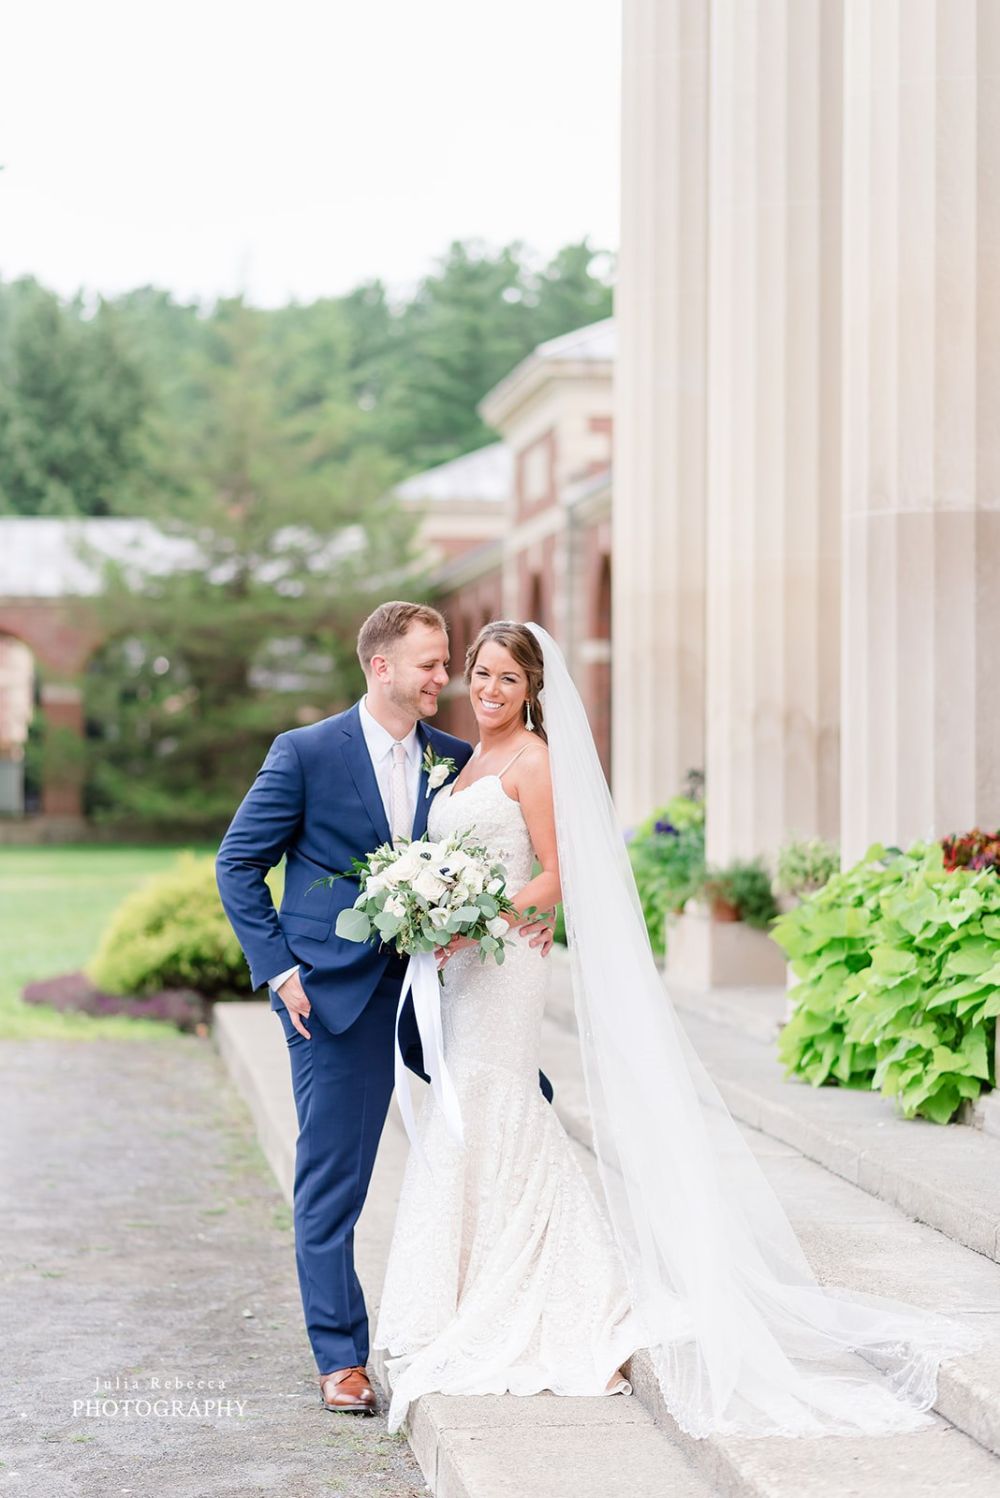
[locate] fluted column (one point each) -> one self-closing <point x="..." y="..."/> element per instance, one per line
<point x="773" y="477"/>
<point x="921" y="639"/>
<point x="659" y="475"/>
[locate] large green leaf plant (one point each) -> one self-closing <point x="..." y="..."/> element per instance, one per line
<point x="899" y="968"/>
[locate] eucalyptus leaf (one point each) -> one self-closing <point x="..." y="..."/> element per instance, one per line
<point x="353" y="925"/>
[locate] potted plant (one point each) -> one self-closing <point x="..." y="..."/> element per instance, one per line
<point x="667" y="853"/>
<point x="804" y="866"/>
<point x="741" y="892"/>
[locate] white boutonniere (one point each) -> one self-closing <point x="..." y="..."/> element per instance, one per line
<point x="437" y="770"/>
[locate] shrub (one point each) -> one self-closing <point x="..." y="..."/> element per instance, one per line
<point x="805" y="865"/>
<point x="668" y="859"/>
<point x="972" y="850"/>
<point x="746" y="886"/>
<point x="900" y="980"/>
<point x="172" y="933"/>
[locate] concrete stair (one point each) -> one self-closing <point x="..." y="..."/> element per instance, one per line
<point x="487" y="1447"/>
<point x="879" y="1205"/>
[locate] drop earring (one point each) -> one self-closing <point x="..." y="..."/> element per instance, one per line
<point x="529" y="725"/>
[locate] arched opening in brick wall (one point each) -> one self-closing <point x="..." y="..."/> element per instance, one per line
<point x="41" y="750"/>
<point x="20" y="723"/>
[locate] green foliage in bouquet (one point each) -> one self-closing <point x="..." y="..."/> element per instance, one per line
<point x="417" y="897"/>
<point x="172" y="933"/>
<point x="667" y="853"/>
<point x="900" y="980"/>
<point x="805" y="865"/>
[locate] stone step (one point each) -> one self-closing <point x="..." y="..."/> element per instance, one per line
<point x="946" y="1176"/>
<point x="854" y="1239"/>
<point x="488" y="1447"/>
<point x="494" y="1447"/>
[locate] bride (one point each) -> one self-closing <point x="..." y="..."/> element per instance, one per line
<point x="506" y="1274"/>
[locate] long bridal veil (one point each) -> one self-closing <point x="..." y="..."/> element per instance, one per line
<point x="743" y="1338"/>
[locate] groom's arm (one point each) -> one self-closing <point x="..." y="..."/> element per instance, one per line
<point x="262" y="830"/>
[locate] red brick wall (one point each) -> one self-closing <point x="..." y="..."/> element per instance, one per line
<point x="528" y="506"/>
<point x="466" y="609"/>
<point x="62" y="634"/>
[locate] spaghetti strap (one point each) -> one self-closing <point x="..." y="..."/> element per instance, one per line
<point x="502" y="773"/>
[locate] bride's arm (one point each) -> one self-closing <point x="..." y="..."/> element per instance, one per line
<point x="533" y="789"/>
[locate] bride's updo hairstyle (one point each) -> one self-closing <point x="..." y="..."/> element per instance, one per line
<point x="526" y="651"/>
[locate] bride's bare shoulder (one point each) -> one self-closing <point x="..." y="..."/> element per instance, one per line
<point x="530" y="771"/>
<point x="534" y="754"/>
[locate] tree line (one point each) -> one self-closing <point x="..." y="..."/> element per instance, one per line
<point x="264" y="444"/>
<point x="95" y="402"/>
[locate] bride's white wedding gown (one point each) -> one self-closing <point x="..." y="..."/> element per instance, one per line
<point x="503" y="1274"/>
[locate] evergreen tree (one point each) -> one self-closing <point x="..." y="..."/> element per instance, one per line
<point x="275" y="545"/>
<point x="73" y="403"/>
<point x="573" y="290"/>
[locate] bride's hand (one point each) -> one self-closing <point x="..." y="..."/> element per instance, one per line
<point x="442" y="954"/>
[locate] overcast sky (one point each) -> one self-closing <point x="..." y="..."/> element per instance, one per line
<point x="292" y="149"/>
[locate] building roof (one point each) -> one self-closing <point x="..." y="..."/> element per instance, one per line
<point x="485" y="475"/>
<point x="50" y="557"/>
<point x="585" y="352"/>
<point x="43" y="557"/>
<point x="596" y="341"/>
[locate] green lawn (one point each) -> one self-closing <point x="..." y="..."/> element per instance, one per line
<point x="54" y="902"/>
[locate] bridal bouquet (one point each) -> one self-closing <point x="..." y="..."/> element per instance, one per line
<point x="420" y="895"/>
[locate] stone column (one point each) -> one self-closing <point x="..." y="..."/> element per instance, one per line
<point x="659" y="473"/>
<point x="773" y="475"/>
<point x="921" y="639"/>
<point x="62" y="787"/>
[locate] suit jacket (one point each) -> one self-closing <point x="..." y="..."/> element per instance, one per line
<point x="316" y="801"/>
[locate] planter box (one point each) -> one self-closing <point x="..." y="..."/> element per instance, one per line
<point x="702" y="953"/>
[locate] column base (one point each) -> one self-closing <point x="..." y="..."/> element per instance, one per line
<point x="703" y="953"/>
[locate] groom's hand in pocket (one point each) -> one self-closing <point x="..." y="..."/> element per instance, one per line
<point x="294" y="997"/>
<point x="541" y="930"/>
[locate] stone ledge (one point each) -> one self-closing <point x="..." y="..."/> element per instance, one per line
<point x="948" y="1177"/>
<point x="494" y="1447"/>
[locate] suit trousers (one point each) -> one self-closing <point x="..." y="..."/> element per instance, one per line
<point x="342" y="1086"/>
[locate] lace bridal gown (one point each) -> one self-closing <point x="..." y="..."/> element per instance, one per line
<point x="503" y="1273"/>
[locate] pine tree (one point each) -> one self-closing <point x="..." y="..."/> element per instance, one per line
<point x="276" y="543"/>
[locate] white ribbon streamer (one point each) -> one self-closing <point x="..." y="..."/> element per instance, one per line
<point x="421" y="977"/>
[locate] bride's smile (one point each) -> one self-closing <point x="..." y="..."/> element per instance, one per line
<point x="499" y="689"/>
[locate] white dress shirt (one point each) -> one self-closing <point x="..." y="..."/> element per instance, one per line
<point x="379" y="742"/>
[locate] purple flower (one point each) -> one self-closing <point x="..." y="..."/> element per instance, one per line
<point x="666" y="827"/>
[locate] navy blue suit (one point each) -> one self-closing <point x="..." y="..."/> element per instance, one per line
<point x="316" y="802"/>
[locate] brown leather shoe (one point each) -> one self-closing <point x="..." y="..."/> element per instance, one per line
<point x="347" y="1391"/>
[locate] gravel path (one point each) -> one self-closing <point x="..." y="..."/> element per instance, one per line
<point x="145" y="1245"/>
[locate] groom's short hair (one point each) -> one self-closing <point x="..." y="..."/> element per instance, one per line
<point x="389" y="623"/>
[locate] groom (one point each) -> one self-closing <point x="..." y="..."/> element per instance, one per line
<point x="325" y="794"/>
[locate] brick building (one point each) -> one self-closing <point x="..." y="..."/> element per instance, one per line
<point x="518" y="529"/>
<point x="550" y="557"/>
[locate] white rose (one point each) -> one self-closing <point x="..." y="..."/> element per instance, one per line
<point x="438" y="776"/>
<point x="439" y="919"/>
<point x="429" y="885"/>
<point x="460" y="895"/>
<point x="474" y="879"/>
<point x="405" y="868"/>
<point x="374" y="883"/>
<point x="395" y="906"/>
<point x="498" y="926"/>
